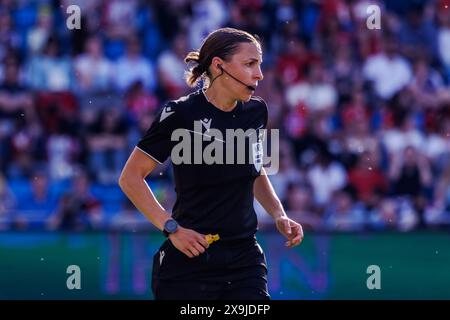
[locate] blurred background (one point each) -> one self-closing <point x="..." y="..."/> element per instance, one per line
<point x="364" y="120"/>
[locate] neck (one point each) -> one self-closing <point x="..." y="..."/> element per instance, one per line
<point x="219" y="100"/>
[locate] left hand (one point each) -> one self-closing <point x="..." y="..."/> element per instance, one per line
<point x="291" y="230"/>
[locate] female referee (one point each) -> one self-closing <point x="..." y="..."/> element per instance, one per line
<point x="212" y="198"/>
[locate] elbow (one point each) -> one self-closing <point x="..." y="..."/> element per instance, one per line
<point x="123" y="180"/>
<point x="127" y="179"/>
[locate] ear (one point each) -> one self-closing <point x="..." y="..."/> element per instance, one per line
<point x="217" y="63"/>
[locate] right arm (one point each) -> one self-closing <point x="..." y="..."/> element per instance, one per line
<point x="133" y="184"/>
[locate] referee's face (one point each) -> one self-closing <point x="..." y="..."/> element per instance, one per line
<point x="245" y="65"/>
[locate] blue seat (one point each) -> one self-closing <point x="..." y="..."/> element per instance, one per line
<point x="107" y="193"/>
<point x="19" y="187"/>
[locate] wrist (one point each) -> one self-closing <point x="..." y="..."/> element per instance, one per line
<point x="162" y="217"/>
<point x="172" y="235"/>
<point x="170" y="227"/>
<point x="277" y="210"/>
<point x="279" y="214"/>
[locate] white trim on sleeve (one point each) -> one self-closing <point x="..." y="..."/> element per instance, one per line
<point x="149" y="155"/>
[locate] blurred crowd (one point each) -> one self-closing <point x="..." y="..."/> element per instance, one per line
<point x="364" y="114"/>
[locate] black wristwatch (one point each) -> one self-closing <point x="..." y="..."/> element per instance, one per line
<point x="171" y="226"/>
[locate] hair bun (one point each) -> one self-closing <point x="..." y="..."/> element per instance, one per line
<point x="198" y="70"/>
<point x="193" y="56"/>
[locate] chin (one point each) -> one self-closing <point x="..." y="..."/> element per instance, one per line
<point x="247" y="97"/>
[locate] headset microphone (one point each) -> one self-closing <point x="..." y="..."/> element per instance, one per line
<point x="248" y="86"/>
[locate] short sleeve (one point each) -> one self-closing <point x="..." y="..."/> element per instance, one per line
<point x="156" y="142"/>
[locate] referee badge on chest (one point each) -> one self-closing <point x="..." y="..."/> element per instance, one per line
<point x="257" y="155"/>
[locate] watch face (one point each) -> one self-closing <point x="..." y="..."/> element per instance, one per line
<point x="171" y="226"/>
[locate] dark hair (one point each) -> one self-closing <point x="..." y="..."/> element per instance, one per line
<point x="222" y="43"/>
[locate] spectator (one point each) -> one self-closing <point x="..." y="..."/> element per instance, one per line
<point x="343" y="213"/>
<point x="119" y="18"/>
<point x="357" y="136"/>
<point x="410" y="173"/>
<point x="326" y="176"/>
<point x="207" y="15"/>
<point x="394" y="214"/>
<point x="299" y="203"/>
<point x="171" y="68"/>
<point x="20" y="127"/>
<point x="384" y="216"/>
<point x="438" y="144"/>
<point x="9" y="37"/>
<point x="62" y="150"/>
<point x="404" y="134"/>
<point x="287" y="171"/>
<point x="317" y="93"/>
<point x="39" y="35"/>
<point x="107" y="146"/>
<point x="93" y="70"/>
<point x="443" y="36"/>
<point x="7" y="205"/>
<point x="77" y="209"/>
<point x="139" y="102"/>
<point x="39" y="202"/>
<point x="271" y="91"/>
<point x="128" y="219"/>
<point x="439" y="210"/>
<point x="410" y="176"/>
<point x="388" y="70"/>
<point x="50" y="71"/>
<point x="134" y="67"/>
<point x="417" y="33"/>
<point x="427" y="85"/>
<point x="292" y="62"/>
<point x="368" y="181"/>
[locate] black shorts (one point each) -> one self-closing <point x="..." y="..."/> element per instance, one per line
<point x="229" y="271"/>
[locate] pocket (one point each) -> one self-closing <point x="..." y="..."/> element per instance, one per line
<point x="259" y="248"/>
<point x="163" y="252"/>
<point x="155" y="272"/>
<point x="262" y="257"/>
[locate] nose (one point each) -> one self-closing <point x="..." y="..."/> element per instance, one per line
<point x="259" y="75"/>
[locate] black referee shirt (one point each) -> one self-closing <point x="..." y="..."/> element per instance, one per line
<point x="211" y="198"/>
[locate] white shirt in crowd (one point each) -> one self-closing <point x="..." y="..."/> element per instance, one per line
<point x="316" y="97"/>
<point x="172" y="67"/>
<point x="389" y="75"/>
<point x="444" y="45"/>
<point x="396" y="140"/>
<point x="98" y="71"/>
<point x="326" y="180"/>
<point x="129" y="71"/>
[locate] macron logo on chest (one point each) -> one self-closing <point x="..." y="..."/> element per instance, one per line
<point x="206" y="123"/>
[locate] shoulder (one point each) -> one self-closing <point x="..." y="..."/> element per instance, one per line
<point x="179" y="108"/>
<point x="188" y="99"/>
<point x="185" y="103"/>
<point x="258" y="107"/>
<point x="257" y="103"/>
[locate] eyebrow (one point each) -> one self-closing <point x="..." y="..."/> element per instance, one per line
<point x="253" y="59"/>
